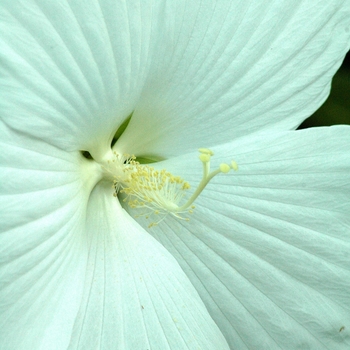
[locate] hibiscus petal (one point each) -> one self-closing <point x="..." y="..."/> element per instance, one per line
<point x="268" y="246"/>
<point x="205" y="71"/>
<point x="229" y="68"/>
<point x="43" y="203"/>
<point x="74" y="69"/>
<point x="136" y="296"/>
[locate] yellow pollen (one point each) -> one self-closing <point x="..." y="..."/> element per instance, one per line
<point x="158" y="192"/>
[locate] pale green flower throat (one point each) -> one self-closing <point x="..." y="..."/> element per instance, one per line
<point x="158" y="192"/>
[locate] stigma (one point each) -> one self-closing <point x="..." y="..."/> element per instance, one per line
<point x="158" y="193"/>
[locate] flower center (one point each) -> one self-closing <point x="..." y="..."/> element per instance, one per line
<point x="158" y="192"/>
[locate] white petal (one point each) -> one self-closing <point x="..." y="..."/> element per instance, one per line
<point x="43" y="201"/>
<point x="268" y="246"/>
<point x="135" y="295"/>
<point x="205" y="71"/>
<point x="74" y="69"/>
<point x="230" y="68"/>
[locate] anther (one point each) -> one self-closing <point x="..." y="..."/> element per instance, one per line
<point x="234" y="165"/>
<point x="224" y="168"/>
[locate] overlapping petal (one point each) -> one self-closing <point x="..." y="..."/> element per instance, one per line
<point x="230" y="68"/>
<point x="43" y="207"/>
<point x="268" y="246"/>
<point x="205" y="70"/>
<point x="75" y="69"/>
<point x="136" y="295"/>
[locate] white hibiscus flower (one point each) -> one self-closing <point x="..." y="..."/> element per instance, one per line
<point x="263" y="262"/>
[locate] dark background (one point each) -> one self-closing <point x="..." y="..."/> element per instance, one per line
<point x="336" y="110"/>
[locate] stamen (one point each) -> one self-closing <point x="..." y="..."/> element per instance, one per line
<point x="158" y="191"/>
